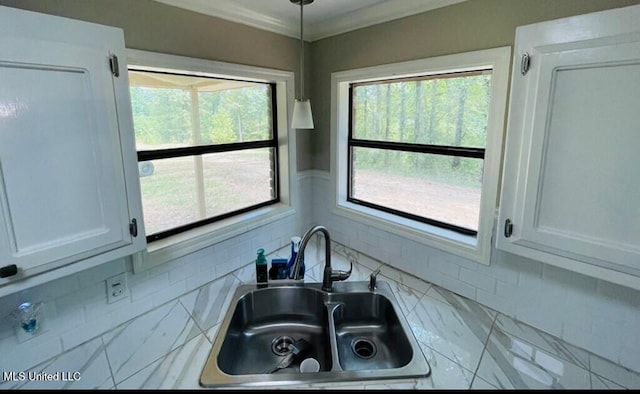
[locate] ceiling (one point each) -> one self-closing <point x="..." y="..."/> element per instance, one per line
<point x="322" y="18"/>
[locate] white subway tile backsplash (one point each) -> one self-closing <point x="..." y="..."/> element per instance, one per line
<point x="356" y="244"/>
<point x="506" y="290"/>
<point x="533" y="288"/>
<point x="208" y="266"/>
<point x="562" y="277"/>
<point x="459" y="287"/>
<point x="392" y="245"/>
<point x="500" y="268"/>
<point x="196" y="281"/>
<point x="480" y="281"/>
<point x="50" y="290"/>
<point x="261" y="239"/>
<point x="152" y="285"/>
<point x="67" y="315"/>
<point x="183" y="271"/>
<point x="505" y="305"/>
<point x="540" y="314"/>
<point x="620" y="294"/>
<point x="442" y="264"/>
<point x="95" y="275"/>
<point x="380" y="234"/>
<point x="171" y="292"/>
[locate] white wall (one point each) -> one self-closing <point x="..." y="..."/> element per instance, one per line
<point x="598" y="316"/>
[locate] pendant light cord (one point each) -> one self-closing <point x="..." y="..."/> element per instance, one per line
<point x="301" y="54"/>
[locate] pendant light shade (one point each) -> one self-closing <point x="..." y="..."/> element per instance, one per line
<point x="302" y="117"/>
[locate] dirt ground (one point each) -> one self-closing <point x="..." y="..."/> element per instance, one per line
<point x="231" y="181"/>
<point x="454" y="204"/>
<point x="238" y="179"/>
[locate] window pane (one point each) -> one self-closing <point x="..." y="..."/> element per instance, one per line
<point x="438" y="187"/>
<point x="182" y="190"/>
<point x="166" y="107"/>
<point x="447" y="109"/>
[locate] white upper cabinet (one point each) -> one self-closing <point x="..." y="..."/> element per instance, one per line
<point x="69" y="190"/>
<point x="571" y="188"/>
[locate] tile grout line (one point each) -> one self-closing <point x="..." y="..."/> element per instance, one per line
<point x="484" y="349"/>
<point x="104" y="349"/>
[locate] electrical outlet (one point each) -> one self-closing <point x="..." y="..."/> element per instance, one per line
<point x="117" y="288"/>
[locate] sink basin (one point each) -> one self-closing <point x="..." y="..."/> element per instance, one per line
<point x="354" y="334"/>
<point x="266" y="321"/>
<point x="369" y="333"/>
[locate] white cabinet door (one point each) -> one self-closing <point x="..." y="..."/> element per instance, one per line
<point x="571" y="187"/>
<point x="64" y="194"/>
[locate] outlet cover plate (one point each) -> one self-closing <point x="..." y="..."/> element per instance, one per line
<point x="117" y="288"/>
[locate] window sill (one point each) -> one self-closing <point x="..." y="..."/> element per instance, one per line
<point x="465" y="246"/>
<point x="179" y="245"/>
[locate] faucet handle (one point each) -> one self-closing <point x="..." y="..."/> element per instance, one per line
<point x="372" y="279"/>
<point x="341" y="275"/>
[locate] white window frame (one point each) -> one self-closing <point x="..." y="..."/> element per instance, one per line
<point x="170" y="248"/>
<point x="476" y="248"/>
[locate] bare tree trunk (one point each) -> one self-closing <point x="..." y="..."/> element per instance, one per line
<point x="378" y="112"/>
<point x="419" y="119"/>
<point x="431" y="133"/>
<point x="366" y="119"/>
<point x="386" y="127"/>
<point x="403" y="109"/>
<point x="240" y="136"/>
<point x="462" y="99"/>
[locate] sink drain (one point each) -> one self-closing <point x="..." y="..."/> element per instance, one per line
<point x="363" y="348"/>
<point x="280" y="345"/>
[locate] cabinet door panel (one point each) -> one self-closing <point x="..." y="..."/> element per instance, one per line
<point x="571" y="190"/>
<point x="62" y="189"/>
<point x="582" y="193"/>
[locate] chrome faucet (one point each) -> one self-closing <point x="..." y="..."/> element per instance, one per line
<point x="329" y="276"/>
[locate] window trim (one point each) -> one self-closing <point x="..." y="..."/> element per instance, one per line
<point x="181" y="244"/>
<point x="477" y="248"/>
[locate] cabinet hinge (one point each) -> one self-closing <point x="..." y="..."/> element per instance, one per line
<point x="133" y="227"/>
<point x="113" y="63"/>
<point x="525" y="63"/>
<point x="508" y="228"/>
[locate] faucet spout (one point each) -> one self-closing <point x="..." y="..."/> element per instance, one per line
<point x="329" y="275"/>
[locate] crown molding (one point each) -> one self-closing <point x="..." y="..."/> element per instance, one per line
<point x="368" y="16"/>
<point x="228" y="10"/>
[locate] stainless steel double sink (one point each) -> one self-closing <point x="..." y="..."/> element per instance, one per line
<point x="354" y="333"/>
